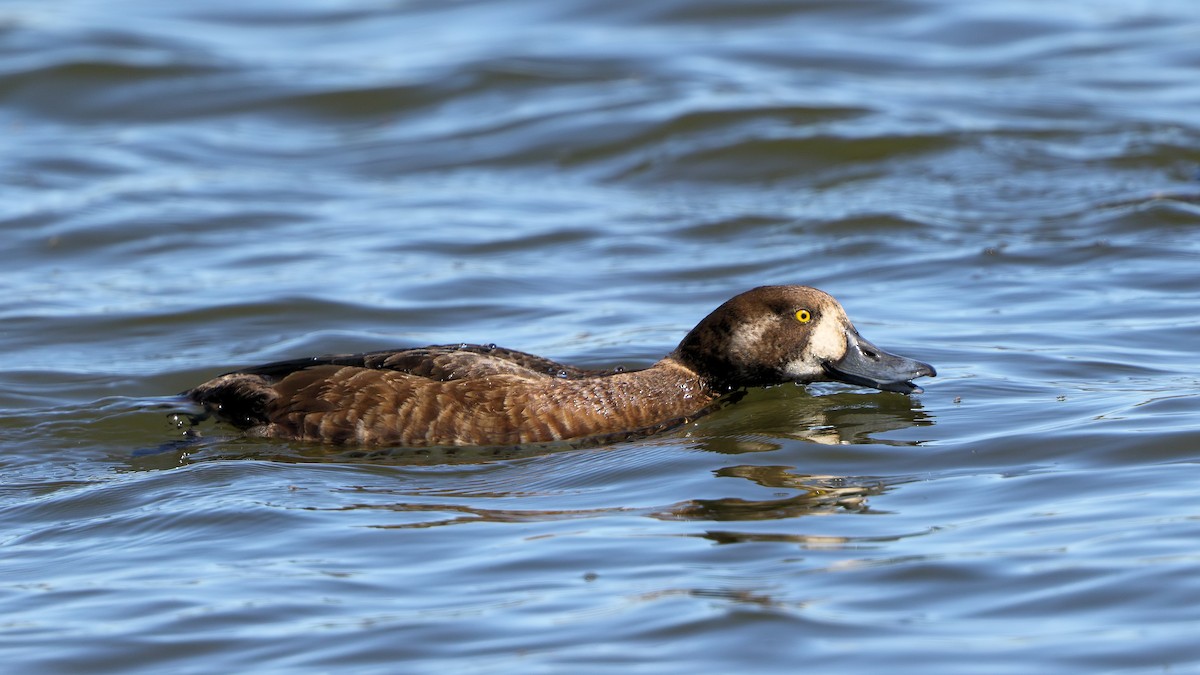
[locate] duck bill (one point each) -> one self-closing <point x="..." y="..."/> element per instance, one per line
<point x="869" y="366"/>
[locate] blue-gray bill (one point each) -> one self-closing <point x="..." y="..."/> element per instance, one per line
<point x="869" y="366"/>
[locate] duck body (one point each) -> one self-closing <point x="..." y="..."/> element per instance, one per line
<point x="451" y="395"/>
<point x="483" y="395"/>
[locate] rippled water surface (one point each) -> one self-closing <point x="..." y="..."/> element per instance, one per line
<point x="1009" y="190"/>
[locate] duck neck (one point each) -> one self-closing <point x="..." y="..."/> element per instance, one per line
<point x="714" y="375"/>
<point x="672" y="373"/>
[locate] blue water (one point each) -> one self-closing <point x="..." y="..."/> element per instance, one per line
<point x="1007" y="190"/>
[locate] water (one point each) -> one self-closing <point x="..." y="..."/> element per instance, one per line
<point x="1007" y="190"/>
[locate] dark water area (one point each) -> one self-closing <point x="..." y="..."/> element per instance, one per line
<point x="1008" y="190"/>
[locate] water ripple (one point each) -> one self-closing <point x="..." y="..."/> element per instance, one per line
<point x="1007" y="190"/>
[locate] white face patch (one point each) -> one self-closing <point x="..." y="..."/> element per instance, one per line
<point x="826" y="342"/>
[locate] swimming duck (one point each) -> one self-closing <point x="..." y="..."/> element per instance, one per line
<point x="484" y="395"/>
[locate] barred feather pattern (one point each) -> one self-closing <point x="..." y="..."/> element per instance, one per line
<point x="465" y="395"/>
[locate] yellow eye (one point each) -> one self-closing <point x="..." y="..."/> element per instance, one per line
<point x="804" y="316"/>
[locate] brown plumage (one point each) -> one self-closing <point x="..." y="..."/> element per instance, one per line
<point x="487" y="395"/>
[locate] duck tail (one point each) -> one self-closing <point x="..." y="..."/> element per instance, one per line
<point x="241" y="399"/>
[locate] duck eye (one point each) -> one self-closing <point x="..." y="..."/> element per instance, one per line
<point x="804" y="316"/>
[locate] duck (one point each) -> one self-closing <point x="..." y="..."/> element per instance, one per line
<point x="485" y="395"/>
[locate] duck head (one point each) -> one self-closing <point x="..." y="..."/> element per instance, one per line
<point x="778" y="334"/>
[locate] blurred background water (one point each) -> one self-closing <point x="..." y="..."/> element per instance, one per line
<point x="1009" y="190"/>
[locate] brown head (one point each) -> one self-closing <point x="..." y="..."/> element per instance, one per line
<point x="777" y="334"/>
